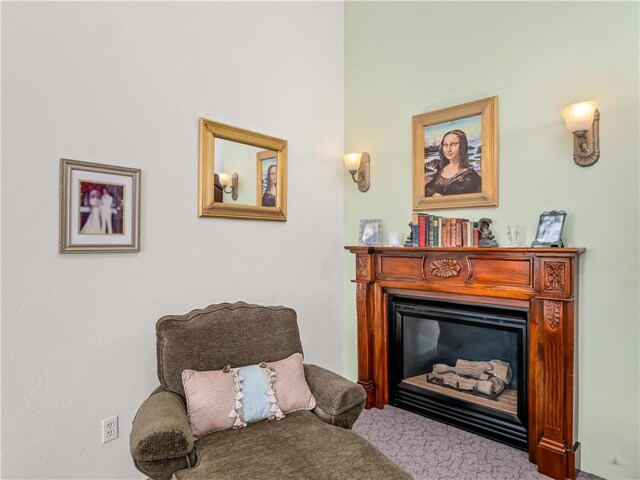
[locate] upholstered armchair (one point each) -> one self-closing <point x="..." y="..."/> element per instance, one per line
<point x="315" y="444"/>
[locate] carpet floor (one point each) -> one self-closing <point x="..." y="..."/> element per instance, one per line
<point x="430" y="450"/>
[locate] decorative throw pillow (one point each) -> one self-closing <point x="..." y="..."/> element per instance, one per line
<point x="231" y="398"/>
<point x="291" y="388"/>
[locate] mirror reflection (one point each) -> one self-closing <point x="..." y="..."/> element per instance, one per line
<point x="233" y="157"/>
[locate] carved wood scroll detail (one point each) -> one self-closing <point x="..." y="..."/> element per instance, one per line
<point x="554" y="276"/>
<point x="552" y="313"/>
<point x="362" y="267"/>
<point x="445" y="268"/>
<point x="361" y="293"/>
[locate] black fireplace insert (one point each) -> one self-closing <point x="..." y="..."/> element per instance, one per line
<point x="464" y="364"/>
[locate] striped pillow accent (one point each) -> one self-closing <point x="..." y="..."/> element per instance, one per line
<point x="233" y="397"/>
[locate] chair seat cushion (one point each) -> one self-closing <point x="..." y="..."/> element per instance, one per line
<point x="299" y="447"/>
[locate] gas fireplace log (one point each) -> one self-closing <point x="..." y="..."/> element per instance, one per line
<point x="491" y="387"/>
<point x="489" y="378"/>
<point x="462" y="383"/>
<point x="497" y="385"/>
<point x="484" y="370"/>
<point x="473" y="369"/>
<point x="502" y="370"/>
<point x="442" y="368"/>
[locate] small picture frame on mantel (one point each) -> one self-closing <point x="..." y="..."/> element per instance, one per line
<point x="550" y="226"/>
<point x="370" y="232"/>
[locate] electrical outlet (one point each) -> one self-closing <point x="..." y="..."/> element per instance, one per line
<point x="109" y="429"/>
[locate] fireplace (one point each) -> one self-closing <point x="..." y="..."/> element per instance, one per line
<point x="526" y="295"/>
<point x="462" y="364"/>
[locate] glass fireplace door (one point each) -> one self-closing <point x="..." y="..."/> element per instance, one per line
<point x="464" y="364"/>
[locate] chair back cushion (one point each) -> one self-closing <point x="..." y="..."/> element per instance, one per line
<point x="236" y="334"/>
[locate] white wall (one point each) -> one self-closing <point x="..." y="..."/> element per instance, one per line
<point x="406" y="58"/>
<point x="124" y="84"/>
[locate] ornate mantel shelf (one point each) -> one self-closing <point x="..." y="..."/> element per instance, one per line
<point x="543" y="280"/>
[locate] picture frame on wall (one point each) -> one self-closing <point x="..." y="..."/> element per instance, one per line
<point x="455" y="156"/>
<point x="267" y="175"/>
<point x="370" y="232"/>
<point x="550" y="227"/>
<point x="99" y="208"/>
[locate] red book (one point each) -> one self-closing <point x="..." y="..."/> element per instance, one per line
<point x="422" y="230"/>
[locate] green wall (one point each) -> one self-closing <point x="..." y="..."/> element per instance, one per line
<point x="406" y="58"/>
<point x="240" y="158"/>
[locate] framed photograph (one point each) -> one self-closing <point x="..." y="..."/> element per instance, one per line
<point x="370" y="232"/>
<point x="99" y="208"/>
<point x="455" y="156"/>
<point x="550" y="226"/>
<point x="267" y="178"/>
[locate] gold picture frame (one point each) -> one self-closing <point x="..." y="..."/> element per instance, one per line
<point x="471" y="176"/>
<point x="208" y="206"/>
<point x="99" y="208"/>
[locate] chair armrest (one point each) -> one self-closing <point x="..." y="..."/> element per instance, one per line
<point x="161" y="429"/>
<point x="338" y="400"/>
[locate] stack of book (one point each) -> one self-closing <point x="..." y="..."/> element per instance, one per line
<point x="434" y="231"/>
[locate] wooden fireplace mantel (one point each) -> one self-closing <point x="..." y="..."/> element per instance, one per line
<point x="544" y="280"/>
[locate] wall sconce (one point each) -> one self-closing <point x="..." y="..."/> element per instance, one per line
<point x="358" y="163"/>
<point x="583" y="120"/>
<point x="230" y="181"/>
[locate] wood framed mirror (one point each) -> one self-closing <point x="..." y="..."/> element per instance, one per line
<point x="228" y="179"/>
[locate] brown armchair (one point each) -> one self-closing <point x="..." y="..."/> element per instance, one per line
<point x="304" y="445"/>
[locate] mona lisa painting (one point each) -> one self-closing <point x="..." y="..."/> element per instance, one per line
<point x="267" y="175"/>
<point x="455" y="157"/>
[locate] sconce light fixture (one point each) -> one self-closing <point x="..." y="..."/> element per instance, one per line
<point x="358" y="163"/>
<point x="229" y="181"/>
<point x="583" y="120"/>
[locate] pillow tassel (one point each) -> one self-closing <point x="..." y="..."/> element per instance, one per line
<point x="274" y="410"/>
<point x="238" y="407"/>
<point x="239" y="423"/>
<point x="279" y="414"/>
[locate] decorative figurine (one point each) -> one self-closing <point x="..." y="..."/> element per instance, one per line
<point x="409" y="241"/>
<point x="487" y="239"/>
